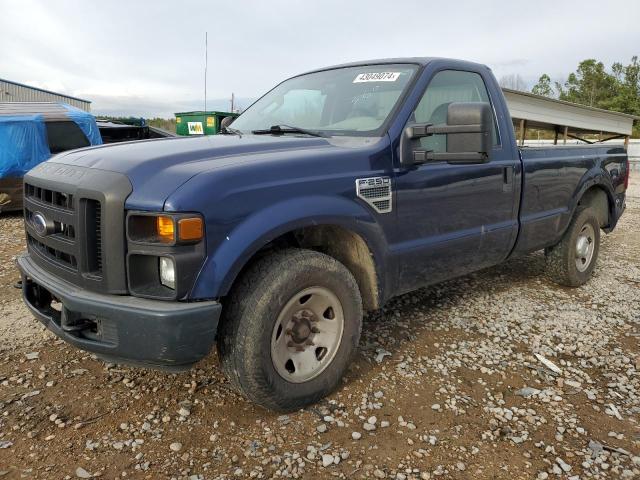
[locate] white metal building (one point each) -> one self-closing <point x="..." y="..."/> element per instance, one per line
<point x="18" y="92"/>
<point x="568" y="120"/>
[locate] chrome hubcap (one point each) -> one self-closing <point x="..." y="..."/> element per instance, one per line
<point x="307" y="334"/>
<point x="585" y="247"/>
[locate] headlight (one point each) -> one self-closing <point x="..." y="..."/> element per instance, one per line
<point x="165" y="252"/>
<point x="165" y="229"/>
<point x="167" y="272"/>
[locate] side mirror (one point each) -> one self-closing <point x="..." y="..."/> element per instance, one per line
<point x="468" y="131"/>
<point x="478" y="117"/>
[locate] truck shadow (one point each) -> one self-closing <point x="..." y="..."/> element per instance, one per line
<point x="403" y="316"/>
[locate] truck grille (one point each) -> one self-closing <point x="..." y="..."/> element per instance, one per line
<point x="93" y="218"/>
<point x="75" y="224"/>
<point x="62" y="230"/>
<point x="58" y="256"/>
<point x="66" y="215"/>
<point x="50" y="197"/>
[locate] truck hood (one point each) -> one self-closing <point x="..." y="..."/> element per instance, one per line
<point x="156" y="168"/>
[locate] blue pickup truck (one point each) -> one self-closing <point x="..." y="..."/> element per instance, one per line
<point x="335" y="191"/>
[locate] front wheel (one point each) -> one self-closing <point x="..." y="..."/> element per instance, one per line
<point x="571" y="262"/>
<point x="290" y="328"/>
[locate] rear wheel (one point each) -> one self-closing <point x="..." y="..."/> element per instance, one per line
<point x="290" y="328"/>
<point x="571" y="262"/>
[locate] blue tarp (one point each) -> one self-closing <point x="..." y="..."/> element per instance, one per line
<point x="24" y="144"/>
<point x="86" y="122"/>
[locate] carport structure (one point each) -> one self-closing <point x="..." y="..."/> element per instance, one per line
<point x="567" y="120"/>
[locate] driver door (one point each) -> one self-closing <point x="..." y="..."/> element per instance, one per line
<point x="453" y="218"/>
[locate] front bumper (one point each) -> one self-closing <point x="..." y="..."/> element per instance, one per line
<point x="121" y="328"/>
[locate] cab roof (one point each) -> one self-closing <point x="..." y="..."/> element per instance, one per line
<point x="421" y="61"/>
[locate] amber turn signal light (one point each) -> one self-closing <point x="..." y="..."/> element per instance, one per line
<point x="190" y="229"/>
<point x="166" y="229"/>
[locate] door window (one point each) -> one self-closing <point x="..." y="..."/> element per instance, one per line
<point x="446" y="87"/>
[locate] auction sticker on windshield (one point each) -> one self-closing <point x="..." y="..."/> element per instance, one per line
<point x="377" y="77"/>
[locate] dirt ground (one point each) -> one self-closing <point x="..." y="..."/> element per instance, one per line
<point x="446" y="385"/>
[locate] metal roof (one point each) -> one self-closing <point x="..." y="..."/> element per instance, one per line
<point x="549" y="113"/>
<point x="43" y="90"/>
<point x="50" y="111"/>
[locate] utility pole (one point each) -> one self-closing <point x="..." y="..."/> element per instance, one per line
<point x="232" y="99"/>
<point x="206" y="61"/>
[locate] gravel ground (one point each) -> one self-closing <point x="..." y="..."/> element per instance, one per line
<point x="499" y="375"/>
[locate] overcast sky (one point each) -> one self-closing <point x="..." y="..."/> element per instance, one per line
<point x="147" y="57"/>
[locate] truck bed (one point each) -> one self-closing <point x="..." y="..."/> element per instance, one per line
<point x="552" y="180"/>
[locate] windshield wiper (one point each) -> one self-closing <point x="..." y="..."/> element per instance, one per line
<point x="282" y="129"/>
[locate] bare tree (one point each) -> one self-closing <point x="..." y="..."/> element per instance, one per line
<point x="513" y="82"/>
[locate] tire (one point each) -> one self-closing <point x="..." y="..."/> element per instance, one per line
<point x="251" y="346"/>
<point x="566" y="264"/>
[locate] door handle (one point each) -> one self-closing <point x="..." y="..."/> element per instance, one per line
<point x="507" y="178"/>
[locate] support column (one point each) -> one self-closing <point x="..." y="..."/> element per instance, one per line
<point x="523" y="131"/>
<point x="626" y="142"/>
<point x="555" y="138"/>
<point x="566" y="134"/>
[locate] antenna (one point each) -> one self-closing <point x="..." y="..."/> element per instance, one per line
<point x="206" y="61"/>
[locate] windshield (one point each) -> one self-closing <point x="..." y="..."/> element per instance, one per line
<point x="342" y="101"/>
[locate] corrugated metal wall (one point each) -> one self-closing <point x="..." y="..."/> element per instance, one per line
<point x="14" y="92"/>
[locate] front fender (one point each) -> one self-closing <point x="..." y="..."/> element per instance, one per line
<point x="228" y="257"/>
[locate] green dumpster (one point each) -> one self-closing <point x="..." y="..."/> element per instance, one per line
<point x="200" y="123"/>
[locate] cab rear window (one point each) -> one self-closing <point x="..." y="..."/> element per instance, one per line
<point x="63" y="136"/>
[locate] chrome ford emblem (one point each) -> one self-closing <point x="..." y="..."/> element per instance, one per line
<point x="39" y="223"/>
